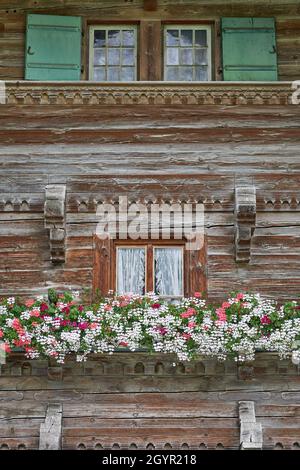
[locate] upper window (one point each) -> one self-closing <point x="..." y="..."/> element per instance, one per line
<point x="187" y="53"/>
<point x="113" y="53"/>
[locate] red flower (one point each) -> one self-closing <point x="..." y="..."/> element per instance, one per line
<point x="66" y="310"/>
<point x="123" y="343"/>
<point x="44" y="307"/>
<point x="80" y="308"/>
<point x="198" y="295"/>
<point x="265" y="320"/>
<point x="155" y="305"/>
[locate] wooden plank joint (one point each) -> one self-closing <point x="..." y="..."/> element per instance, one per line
<point x="245" y="212"/>
<point x="51" y="429"/>
<point x="250" y="430"/>
<point x="55" y="215"/>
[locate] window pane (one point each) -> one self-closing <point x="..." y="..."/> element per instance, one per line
<point x="168" y="266"/>
<point x="127" y="74"/>
<point x="128" y="38"/>
<point x="186" y="56"/>
<point x="99" y="74"/>
<point x="99" y="38"/>
<point x="131" y="270"/>
<point x="128" y="57"/>
<point x="113" y="74"/>
<point x="173" y="73"/>
<point x="186" y="37"/>
<point x="186" y="73"/>
<point x="201" y="56"/>
<point x="114" y="38"/>
<point x="99" y="57"/>
<point x="201" y="38"/>
<point x="172" y="56"/>
<point x="201" y="74"/>
<point x="113" y="57"/>
<point x="172" y="38"/>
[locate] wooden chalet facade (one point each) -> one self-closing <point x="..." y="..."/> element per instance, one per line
<point x="187" y="101"/>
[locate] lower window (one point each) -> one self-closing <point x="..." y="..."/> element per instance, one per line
<point x="145" y="268"/>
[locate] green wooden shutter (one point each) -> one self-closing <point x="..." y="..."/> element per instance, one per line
<point x="53" y="47"/>
<point x="249" y="49"/>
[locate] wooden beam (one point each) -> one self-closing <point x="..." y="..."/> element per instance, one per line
<point x="250" y="430"/>
<point x="150" y="44"/>
<point x="51" y="429"/>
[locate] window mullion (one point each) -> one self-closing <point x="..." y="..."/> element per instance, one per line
<point x="150" y="269"/>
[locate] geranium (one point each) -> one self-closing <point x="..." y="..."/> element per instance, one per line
<point x="235" y="328"/>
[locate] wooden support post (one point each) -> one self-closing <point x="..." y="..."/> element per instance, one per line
<point x="55" y="215"/>
<point x="51" y="429"/>
<point x="250" y="430"/>
<point x="245" y="212"/>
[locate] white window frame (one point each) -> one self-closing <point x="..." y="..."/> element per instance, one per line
<point x="116" y="27"/>
<point x="193" y="27"/>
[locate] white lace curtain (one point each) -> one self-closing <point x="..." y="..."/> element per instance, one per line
<point x="168" y="271"/>
<point x="131" y="271"/>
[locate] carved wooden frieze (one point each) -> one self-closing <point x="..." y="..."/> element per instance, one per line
<point x="54" y="213"/>
<point x="245" y="212"/>
<point x="148" y="93"/>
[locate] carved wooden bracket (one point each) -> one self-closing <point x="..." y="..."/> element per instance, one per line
<point x="250" y="430"/>
<point x="55" y="214"/>
<point x="245" y="212"/>
<point x="51" y="429"/>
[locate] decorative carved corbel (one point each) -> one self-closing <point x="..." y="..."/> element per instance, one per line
<point x="245" y="213"/>
<point x="250" y="431"/>
<point x="55" y="214"/>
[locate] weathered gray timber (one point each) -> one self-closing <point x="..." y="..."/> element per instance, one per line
<point x="157" y="401"/>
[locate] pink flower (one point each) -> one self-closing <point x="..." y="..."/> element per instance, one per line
<point x="192" y="324"/>
<point x="29" y="302"/>
<point x="123" y="343"/>
<point x="240" y="296"/>
<point x="107" y="308"/>
<point x="83" y="325"/>
<point x="16" y="324"/>
<point x="198" y="295"/>
<point x="93" y="326"/>
<point x="5" y="347"/>
<point x="186" y="336"/>
<point x="265" y="320"/>
<point x="123" y="303"/>
<point x="221" y="314"/>
<point x="1" y="334"/>
<point x="190" y="312"/>
<point x="157" y="305"/>
<point x="226" y="305"/>
<point x="34" y="313"/>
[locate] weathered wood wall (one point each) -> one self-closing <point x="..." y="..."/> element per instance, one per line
<point x="149" y="151"/>
<point x="12" y="23"/>
<point x="159" y="404"/>
<point x="150" y="146"/>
